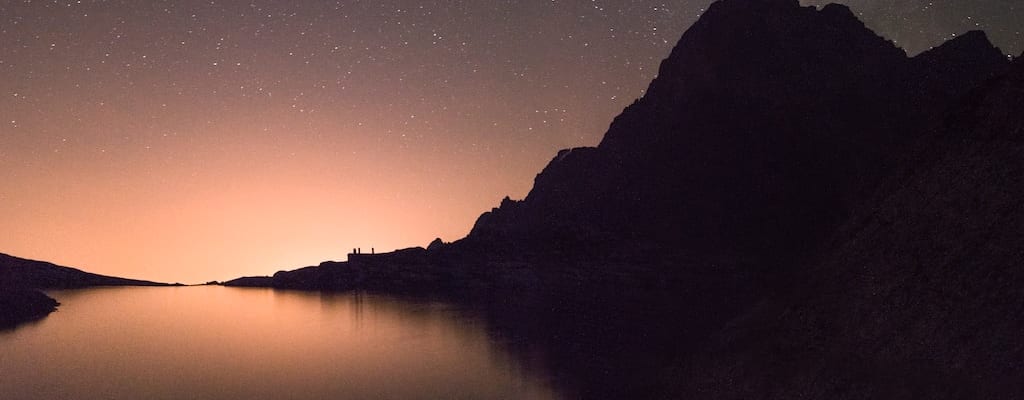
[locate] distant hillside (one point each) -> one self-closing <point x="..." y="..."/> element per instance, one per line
<point x="19" y="272"/>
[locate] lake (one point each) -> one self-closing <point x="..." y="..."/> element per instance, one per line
<point x="214" y="342"/>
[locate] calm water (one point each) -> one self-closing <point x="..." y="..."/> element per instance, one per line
<point x="226" y="343"/>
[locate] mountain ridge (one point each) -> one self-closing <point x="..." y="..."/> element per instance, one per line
<point x="689" y="87"/>
<point x="766" y="221"/>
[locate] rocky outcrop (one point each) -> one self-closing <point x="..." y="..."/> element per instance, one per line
<point x="435" y="245"/>
<point x="249" y="281"/>
<point x="18" y="305"/>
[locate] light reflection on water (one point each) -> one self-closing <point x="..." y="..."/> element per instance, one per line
<point x="228" y="343"/>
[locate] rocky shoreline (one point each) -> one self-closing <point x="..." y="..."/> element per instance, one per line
<point x="18" y="306"/>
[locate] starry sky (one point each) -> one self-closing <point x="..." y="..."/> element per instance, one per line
<point x="187" y="141"/>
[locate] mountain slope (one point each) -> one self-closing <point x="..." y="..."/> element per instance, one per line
<point x="766" y="117"/>
<point x="919" y="295"/>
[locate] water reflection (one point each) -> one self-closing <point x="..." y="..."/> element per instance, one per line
<point x="224" y="343"/>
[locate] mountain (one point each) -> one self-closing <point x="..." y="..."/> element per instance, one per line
<point x="767" y="117"/>
<point x="795" y="209"/>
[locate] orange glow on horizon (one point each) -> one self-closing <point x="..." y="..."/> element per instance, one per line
<point x="245" y="206"/>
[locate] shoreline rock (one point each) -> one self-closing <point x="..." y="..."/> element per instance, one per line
<point x="19" y="305"/>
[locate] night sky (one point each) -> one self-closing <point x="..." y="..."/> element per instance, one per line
<point x="199" y="140"/>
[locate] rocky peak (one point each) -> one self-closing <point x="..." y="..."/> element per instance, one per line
<point x="768" y="52"/>
<point x="435" y="245"/>
<point x="766" y="116"/>
<point x="968" y="55"/>
<point x="972" y="43"/>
